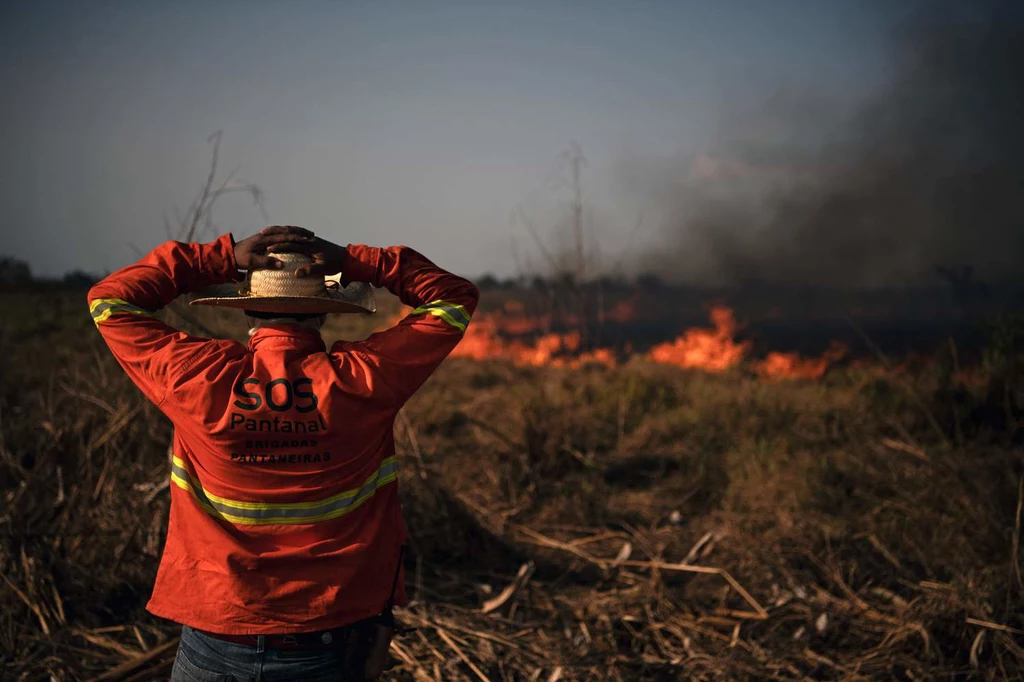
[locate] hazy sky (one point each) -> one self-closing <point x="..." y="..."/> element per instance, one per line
<point x="421" y="123"/>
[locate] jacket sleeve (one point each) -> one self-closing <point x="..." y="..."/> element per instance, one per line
<point x="400" y="359"/>
<point x="155" y="355"/>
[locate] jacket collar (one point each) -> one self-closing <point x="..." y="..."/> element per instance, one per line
<point x="287" y="337"/>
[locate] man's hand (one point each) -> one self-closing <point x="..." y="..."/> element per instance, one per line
<point x="251" y="253"/>
<point x="327" y="258"/>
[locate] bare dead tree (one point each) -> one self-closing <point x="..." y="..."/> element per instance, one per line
<point x="577" y="296"/>
<point x="197" y="220"/>
<point x="199" y="217"/>
<point x="575" y="161"/>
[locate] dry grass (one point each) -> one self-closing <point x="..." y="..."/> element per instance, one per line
<point x="625" y="524"/>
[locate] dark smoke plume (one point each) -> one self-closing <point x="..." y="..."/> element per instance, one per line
<point x="930" y="173"/>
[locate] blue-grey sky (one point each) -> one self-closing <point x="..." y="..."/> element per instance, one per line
<point x="421" y="123"/>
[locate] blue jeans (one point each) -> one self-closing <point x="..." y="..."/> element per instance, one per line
<point x="205" y="659"/>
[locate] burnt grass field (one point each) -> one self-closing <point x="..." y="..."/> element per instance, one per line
<point x="633" y="523"/>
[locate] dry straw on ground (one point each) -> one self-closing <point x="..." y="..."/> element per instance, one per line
<point x="598" y="524"/>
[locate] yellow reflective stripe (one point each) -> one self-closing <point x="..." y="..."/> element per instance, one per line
<point x="184" y="484"/>
<point x="452" y="313"/>
<point x="101" y="301"/>
<point x="102" y="308"/>
<point x="387" y="466"/>
<point x="258" y="513"/>
<point x="263" y="518"/>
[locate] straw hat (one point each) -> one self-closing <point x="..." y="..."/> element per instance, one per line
<point x="280" y="291"/>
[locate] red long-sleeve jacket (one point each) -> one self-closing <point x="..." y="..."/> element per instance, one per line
<point x="284" y="507"/>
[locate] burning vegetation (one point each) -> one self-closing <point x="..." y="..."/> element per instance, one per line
<point x="712" y="350"/>
<point x="512" y="336"/>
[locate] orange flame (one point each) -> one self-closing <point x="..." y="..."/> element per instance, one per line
<point x="486" y="338"/>
<point x="712" y="350"/>
<point x="791" y="366"/>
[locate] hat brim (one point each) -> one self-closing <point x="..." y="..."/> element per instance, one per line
<point x="355" y="298"/>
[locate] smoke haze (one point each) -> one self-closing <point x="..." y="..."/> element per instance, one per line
<point x="929" y="173"/>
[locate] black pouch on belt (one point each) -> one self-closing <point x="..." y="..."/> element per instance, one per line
<point x="379" y="632"/>
<point x="366" y="651"/>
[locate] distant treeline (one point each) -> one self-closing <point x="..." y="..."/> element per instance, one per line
<point x="489" y="282"/>
<point x="16" y="274"/>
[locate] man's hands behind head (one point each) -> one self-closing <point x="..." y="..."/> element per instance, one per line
<point x="327" y="259"/>
<point x="257" y="251"/>
<point x="252" y="253"/>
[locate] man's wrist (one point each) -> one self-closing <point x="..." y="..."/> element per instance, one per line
<point x="359" y="264"/>
<point x="220" y="259"/>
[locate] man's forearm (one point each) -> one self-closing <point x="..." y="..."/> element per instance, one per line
<point x="168" y="271"/>
<point x="407" y="274"/>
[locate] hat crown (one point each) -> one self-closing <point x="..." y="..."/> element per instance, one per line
<point x="283" y="282"/>
<point x="276" y="290"/>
